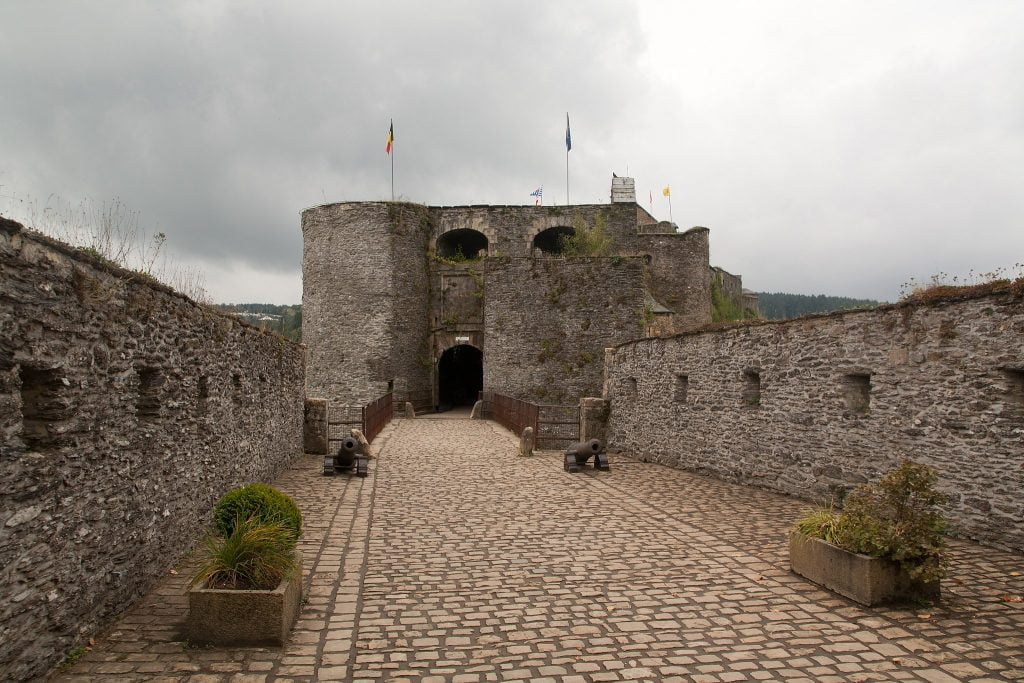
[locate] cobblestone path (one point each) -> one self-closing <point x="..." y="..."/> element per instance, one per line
<point x="457" y="560"/>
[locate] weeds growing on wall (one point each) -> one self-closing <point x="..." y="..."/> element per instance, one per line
<point x="942" y="285"/>
<point x="723" y="309"/>
<point x="110" y="232"/>
<point x="587" y="240"/>
<point x="456" y="259"/>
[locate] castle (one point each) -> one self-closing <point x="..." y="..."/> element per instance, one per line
<point x="438" y="303"/>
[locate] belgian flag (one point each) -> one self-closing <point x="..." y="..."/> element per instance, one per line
<point x="391" y="137"/>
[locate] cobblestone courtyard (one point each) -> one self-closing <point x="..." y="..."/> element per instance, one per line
<point x="457" y="560"/>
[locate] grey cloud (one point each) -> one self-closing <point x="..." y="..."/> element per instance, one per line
<point x="838" y="148"/>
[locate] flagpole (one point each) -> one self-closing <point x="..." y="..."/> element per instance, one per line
<point x="568" y="146"/>
<point x="391" y="153"/>
<point x="670" y="219"/>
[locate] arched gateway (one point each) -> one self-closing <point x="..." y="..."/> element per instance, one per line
<point x="460" y="375"/>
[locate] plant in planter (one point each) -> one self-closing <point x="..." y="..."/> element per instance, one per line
<point x="248" y="589"/>
<point x="886" y="544"/>
<point x="264" y="502"/>
<point x="253" y="556"/>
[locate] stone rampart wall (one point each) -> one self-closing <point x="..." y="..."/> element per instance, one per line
<point x="548" y="320"/>
<point x="816" y="405"/>
<point x="678" y="275"/>
<point x="126" y="410"/>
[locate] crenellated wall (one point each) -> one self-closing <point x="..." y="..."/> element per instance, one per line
<point x="126" y="410"/>
<point x="388" y="288"/>
<point x="816" y="405"/>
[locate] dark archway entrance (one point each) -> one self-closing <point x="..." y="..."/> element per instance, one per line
<point x="460" y="376"/>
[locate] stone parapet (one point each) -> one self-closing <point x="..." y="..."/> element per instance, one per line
<point x="816" y="405"/>
<point x="126" y="411"/>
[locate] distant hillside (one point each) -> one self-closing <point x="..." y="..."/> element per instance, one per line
<point x="780" y="306"/>
<point x="285" y="320"/>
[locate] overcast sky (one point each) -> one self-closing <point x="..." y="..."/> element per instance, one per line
<point x="831" y="147"/>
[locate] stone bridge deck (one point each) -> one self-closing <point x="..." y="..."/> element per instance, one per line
<point x="456" y="560"/>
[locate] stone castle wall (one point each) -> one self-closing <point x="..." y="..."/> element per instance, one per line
<point x="816" y="405"/>
<point x="365" y="300"/>
<point x="380" y="307"/>
<point x="548" y="321"/>
<point x="126" y="410"/>
<point x="510" y="229"/>
<point x="678" y="276"/>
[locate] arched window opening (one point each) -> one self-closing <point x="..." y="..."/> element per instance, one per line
<point x="552" y="240"/>
<point x="462" y="245"/>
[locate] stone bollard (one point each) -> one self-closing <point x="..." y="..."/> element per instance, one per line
<point x="526" y="443"/>
<point x="364" y="445"/>
<point x="410" y="412"/>
<point x="478" y="408"/>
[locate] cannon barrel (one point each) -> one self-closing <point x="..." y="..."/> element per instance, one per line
<point x="577" y="455"/>
<point x="347" y="452"/>
<point x="585" y="449"/>
<point x="349" y="456"/>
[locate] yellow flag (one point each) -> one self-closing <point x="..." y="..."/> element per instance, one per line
<point x="666" y="192"/>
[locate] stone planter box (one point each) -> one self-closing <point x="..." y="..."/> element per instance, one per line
<point x="864" y="579"/>
<point x="237" y="617"/>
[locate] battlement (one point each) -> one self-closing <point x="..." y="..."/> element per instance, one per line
<point x="391" y="289"/>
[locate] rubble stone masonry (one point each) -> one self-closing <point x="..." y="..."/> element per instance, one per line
<point x="814" y="406"/>
<point x="548" y="321"/>
<point x="126" y="410"/>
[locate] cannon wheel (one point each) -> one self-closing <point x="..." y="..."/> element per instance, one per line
<point x="571" y="464"/>
<point x="601" y="462"/>
<point x="328" y="466"/>
<point x="362" y="467"/>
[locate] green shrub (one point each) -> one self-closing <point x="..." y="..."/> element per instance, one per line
<point x="265" y="503"/>
<point x="896" y="518"/>
<point x="255" y="555"/>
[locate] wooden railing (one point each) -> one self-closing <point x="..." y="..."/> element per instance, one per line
<point x="370" y="419"/>
<point x="420" y="400"/>
<point x="554" y="426"/>
<point x="513" y="414"/>
<point x="376" y="415"/>
<point x="557" y="426"/>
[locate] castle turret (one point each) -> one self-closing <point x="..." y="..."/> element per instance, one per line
<point x="623" y="190"/>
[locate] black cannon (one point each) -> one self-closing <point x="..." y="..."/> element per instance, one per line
<point x="348" y="459"/>
<point x="577" y="455"/>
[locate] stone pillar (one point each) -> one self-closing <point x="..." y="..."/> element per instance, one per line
<point x="527" y="442"/>
<point x="609" y="356"/>
<point x="594" y="419"/>
<point x="314" y="428"/>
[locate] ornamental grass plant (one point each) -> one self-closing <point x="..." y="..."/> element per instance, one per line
<point x="255" y="555"/>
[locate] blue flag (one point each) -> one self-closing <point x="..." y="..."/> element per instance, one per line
<point x="568" y="138"/>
